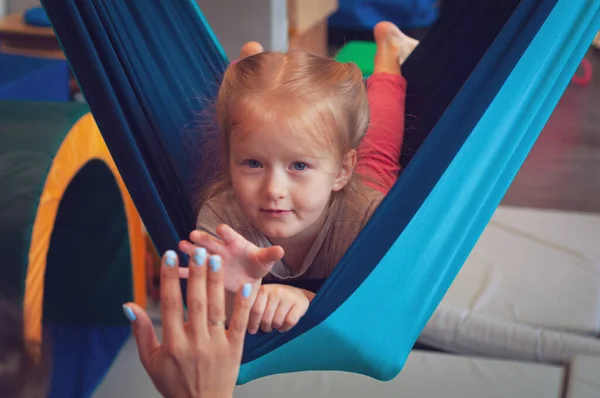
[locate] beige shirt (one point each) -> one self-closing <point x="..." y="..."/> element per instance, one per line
<point x="342" y="225"/>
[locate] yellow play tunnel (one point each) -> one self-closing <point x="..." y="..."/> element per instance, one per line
<point x="73" y="241"/>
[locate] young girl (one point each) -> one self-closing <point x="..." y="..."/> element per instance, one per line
<point x="294" y="139"/>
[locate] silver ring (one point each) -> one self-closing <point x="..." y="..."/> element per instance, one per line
<point x="217" y="323"/>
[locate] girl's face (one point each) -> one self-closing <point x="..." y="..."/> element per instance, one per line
<point x="282" y="184"/>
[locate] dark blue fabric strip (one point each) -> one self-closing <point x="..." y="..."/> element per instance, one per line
<point x="81" y="356"/>
<point x="442" y="63"/>
<point x="147" y="70"/>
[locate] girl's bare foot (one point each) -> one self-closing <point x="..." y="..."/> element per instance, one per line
<point x="393" y="47"/>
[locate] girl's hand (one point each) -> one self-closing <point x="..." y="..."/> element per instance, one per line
<point x="278" y="307"/>
<point x="245" y="262"/>
<point x="200" y="358"/>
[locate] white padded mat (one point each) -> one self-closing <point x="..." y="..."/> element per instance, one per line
<point x="426" y="375"/>
<point x="531" y="285"/>
<point x="584" y="378"/>
<point x="538" y="268"/>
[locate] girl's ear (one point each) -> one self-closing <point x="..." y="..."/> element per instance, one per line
<point x="346" y="170"/>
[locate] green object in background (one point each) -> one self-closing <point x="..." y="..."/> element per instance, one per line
<point x="30" y="135"/>
<point x="361" y="53"/>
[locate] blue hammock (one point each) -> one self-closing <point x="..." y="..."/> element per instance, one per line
<point x="481" y="87"/>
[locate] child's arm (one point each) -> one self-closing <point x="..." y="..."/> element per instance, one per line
<point x="278" y="307"/>
<point x="379" y="153"/>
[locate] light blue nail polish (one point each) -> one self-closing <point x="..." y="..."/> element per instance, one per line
<point x="215" y="263"/>
<point x="200" y="256"/>
<point x="170" y="258"/>
<point x="246" y="290"/>
<point x="129" y="313"/>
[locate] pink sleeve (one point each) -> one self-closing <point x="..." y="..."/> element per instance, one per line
<point x="379" y="153"/>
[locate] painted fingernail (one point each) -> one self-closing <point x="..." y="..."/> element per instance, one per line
<point x="215" y="263"/>
<point x="200" y="256"/>
<point x="246" y="290"/>
<point x="129" y="313"/>
<point x="170" y="257"/>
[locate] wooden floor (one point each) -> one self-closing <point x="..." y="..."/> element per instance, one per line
<point x="563" y="169"/>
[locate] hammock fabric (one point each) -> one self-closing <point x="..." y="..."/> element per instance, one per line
<point x="482" y="84"/>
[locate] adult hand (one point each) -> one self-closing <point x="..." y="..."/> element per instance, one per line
<point x="200" y="358"/>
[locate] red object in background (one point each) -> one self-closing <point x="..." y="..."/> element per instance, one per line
<point x="583" y="76"/>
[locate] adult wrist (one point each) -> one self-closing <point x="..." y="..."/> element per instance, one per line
<point x="215" y="394"/>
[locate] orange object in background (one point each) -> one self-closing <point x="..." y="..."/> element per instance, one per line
<point x="82" y="146"/>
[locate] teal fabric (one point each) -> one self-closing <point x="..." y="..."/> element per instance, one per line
<point x="373" y="331"/>
<point x="149" y="71"/>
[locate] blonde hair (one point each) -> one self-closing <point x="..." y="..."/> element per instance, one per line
<point x="315" y="96"/>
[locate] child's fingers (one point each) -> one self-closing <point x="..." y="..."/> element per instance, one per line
<point x="209" y="242"/>
<point x="196" y="295"/>
<point x="171" y="298"/>
<point x="186" y="247"/>
<point x="266" y="324"/>
<point x="256" y="314"/>
<point x="184" y="272"/>
<point x="280" y="314"/>
<point x="230" y="236"/>
<point x="292" y="318"/>
<point x="268" y="255"/>
<point x="240" y="316"/>
<point x="216" y="315"/>
<point x="266" y="258"/>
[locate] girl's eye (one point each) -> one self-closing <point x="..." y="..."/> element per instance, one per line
<point x="252" y="163"/>
<point x="299" y="166"/>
